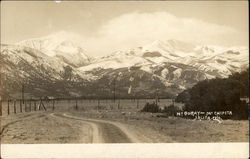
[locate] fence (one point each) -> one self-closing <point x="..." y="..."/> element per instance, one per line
<point x="21" y="106"/>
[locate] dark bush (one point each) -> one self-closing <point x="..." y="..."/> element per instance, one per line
<point x="153" y="108"/>
<point x="219" y="95"/>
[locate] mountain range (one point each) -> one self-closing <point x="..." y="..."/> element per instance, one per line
<point x="57" y="65"/>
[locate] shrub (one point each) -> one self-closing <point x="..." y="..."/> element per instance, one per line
<point x="153" y="108"/>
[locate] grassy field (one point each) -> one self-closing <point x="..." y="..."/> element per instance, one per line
<point x="174" y="129"/>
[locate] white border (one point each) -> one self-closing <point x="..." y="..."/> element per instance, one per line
<point x="169" y="150"/>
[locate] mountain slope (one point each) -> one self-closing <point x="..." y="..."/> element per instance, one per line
<point x="61" y="45"/>
<point x="41" y="74"/>
<point x="175" y="64"/>
<point x="214" y="60"/>
<point x="54" y="66"/>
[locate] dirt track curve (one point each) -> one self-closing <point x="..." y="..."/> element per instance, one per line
<point x="104" y="131"/>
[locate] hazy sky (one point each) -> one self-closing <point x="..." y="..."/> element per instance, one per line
<point x="107" y="26"/>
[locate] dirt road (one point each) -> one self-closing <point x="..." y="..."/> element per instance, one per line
<point x="104" y="131"/>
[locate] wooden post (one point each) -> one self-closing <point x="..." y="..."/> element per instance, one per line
<point x="76" y="104"/>
<point x="34" y="105"/>
<point x="41" y="104"/>
<point x="118" y="104"/>
<point x="8" y="106"/>
<point x="23" y="93"/>
<point x="21" y="106"/>
<point x="114" y="89"/>
<point x="53" y="107"/>
<point x="15" y="106"/>
<point x="1" y="113"/>
<point x="25" y="106"/>
<point x="137" y="103"/>
<point x="30" y="106"/>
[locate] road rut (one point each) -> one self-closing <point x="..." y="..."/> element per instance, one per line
<point x="104" y="131"/>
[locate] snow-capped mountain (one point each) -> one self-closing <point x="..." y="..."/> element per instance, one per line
<point x="167" y="66"/>
<point x="174" y="63"/>
<point x="36" y="70"/>
<point x="62" y="45"/>
<point x="213" y="60"/>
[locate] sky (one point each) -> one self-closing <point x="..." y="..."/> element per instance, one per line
<point x="106" y="26"/>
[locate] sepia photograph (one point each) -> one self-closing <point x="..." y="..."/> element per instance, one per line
<point x="122" y="74"/>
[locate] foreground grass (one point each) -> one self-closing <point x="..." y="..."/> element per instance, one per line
<point x="41" y="127"/>
<point x="173" y="129"/>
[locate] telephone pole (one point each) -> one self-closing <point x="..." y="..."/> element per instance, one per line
<point x="114" y="88"/>
<point x="1" y="94"/>
<point x="23" y="93"/>
<point x="157" y="96"/>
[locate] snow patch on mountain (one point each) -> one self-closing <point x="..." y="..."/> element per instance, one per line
<point x="177" y="73"/>
<point x="164" y="72"/>
<point x="62" y="45"/>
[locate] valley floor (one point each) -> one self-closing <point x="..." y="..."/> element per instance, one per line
<point x="115" y="127"/>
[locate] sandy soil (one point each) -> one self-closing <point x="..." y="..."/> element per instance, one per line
<point x="115" y="127"/>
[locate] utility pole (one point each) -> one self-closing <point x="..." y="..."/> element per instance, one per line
<point x="23" y="93"/>
<point x="114" y="88"/>
<point x="0" y="98"/>
<point x="1" y="90"/>
<point x="156" y="97"/>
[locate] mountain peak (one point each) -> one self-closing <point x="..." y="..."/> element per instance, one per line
<point x="60" y="44"/>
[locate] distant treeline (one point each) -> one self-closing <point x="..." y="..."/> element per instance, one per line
<point x="219" y="95"/>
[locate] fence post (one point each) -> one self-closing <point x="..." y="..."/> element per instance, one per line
<point x="34" y="105"/>
<point x="20" y="106"/>
<point x="25" y="105"/>
<point x="15" y="106"/>
<point x="137" y="103"/>
<point x="41" y="104"/>
<point x="98" y="105"/>
<point x="118" y="104"/>
<point x="30" y="105"/>
<point x="76" y="104"/>
<point x="1" y="113"/>
<point x="53" y="103"/>
<point x="8" y="106"/>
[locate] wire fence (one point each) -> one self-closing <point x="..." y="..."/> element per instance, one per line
<point x="14" y="106"/>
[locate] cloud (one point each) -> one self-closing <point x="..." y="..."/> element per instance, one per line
<point x="136" y="29"/>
